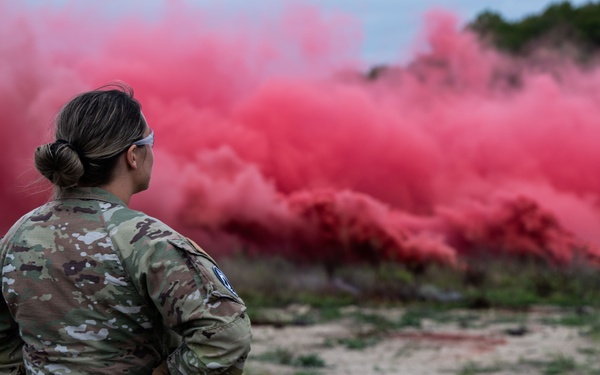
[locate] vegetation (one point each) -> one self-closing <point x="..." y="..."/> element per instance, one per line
<point x="555" y="365"/>
<point x="285" y="357"/>
<point x="378" y="303"/>
<point x="560" y="25"/>
<point x="503" y="283"/>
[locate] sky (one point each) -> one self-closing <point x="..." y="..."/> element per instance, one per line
<point x="390" y="27"/>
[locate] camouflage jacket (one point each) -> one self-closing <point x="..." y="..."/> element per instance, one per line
<point x="90" y="286"/>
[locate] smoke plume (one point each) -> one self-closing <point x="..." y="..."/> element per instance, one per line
<point x="272" y="138"/>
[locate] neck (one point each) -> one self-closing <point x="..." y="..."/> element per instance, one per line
<point x="120" y="190"/>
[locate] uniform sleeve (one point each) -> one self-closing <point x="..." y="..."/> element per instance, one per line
<point x="196" y="301"/>
<point x="11" y="344"/>
<point x="11" y="356"/>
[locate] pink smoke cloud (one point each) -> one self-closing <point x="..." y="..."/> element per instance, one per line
<point x="270" y="137"/>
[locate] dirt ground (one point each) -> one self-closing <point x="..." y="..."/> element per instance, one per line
<point x="465" y="342"/>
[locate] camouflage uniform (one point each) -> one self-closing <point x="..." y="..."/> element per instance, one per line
<point x="92" y="287"/>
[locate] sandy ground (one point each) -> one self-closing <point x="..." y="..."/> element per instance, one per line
<point x="491" y="341"/>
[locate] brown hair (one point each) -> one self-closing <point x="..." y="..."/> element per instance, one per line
<point x="92" y="130"/>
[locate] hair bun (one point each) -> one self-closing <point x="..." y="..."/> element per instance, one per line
<point x="69" y="145"/>
<point x="60" y="163"/>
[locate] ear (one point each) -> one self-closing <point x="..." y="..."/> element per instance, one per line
<point x="131" y="158"/>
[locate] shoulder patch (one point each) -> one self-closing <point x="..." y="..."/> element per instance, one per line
<point x="223" y="279"/>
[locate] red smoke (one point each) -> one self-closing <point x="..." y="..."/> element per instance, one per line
<point x="271" y="139"/>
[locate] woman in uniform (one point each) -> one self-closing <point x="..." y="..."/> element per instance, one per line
<point x="90" y="286"/>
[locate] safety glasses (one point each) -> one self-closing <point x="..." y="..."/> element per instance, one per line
<point x="149" y="140"/>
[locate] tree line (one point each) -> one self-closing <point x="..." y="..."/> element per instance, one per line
<point x="560" y="26"/>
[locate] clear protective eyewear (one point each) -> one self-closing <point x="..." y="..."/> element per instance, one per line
<point x="149" y="140"/>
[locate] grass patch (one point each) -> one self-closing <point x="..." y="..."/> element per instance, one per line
<point x="472" y="368"/>
<point x="378" y="322"/>
<point x="359" y="343"/>
<point x="286" y="358"/>
<point x="589" y="351"/>
<point x="309" y="360"/>
<point x="560" y="364"/>
<point x="587" y="321"/>
<point x="557" y="364"/>
<point x="278" y="356"/>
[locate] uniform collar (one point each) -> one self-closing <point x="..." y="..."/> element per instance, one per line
<point x="95" y="193"/>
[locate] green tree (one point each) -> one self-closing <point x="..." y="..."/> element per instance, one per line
<point x="559" y="25"/>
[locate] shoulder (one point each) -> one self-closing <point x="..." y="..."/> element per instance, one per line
<point x="140" y="225"/>
<point x="28" y="221"/>
<point x="136" y="233"/>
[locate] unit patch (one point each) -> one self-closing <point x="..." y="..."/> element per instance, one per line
<point x="223" y="279"/>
